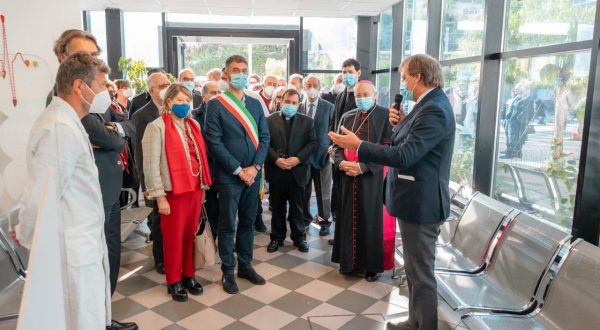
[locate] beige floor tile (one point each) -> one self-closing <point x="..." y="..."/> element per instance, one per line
<point x="208" y="319"/>
<point x="262" y="240"/>
<point x="149" y="320"/>
<point x="117" y="296"/>
<point x="212" y="273"/>
<point x="213" y="294"/>
<point x="376" y="290"/>
<point x="312" y="269"/>
<point x="152" y="297"/>
<point x="311" y="254"/>
<point x="319" y="290"/>
<point x="130" y="257"/>
<point x="266" y="293"/>
<point x="384" y="309"/>
<point x="268" y="271"/>
<point x="268" y="318"/>
<point x="156" y="277"/>
<point x="262" y="254"/>
<point x="396" y="298"/>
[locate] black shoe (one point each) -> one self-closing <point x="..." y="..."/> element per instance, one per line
<point x="114" y="325"/>
<point x="330" y="241"/>
<point x="371" y="277"/>
<point x="229" y="284"/>
<point x="177" y="291"/>
<point x="301" y="245"/>
<point x="324" y="231"/>
<point x="261" y="228"/>
<point x="160" y="268"/>
<point x="400" y="326"/>
<point x="274" y="246"/>
<point x="192" y="286"/>
<point x="251" y="275"/>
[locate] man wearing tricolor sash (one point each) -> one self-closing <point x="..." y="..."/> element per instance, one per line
<point x="238" y="139"/>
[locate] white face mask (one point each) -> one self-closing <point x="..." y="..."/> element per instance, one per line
<point x="128" y="93"/>
<point x="162" y="93"/>
<point x="100" y="103"/>
<point x="338" y="88"/>
<point x="223" y="85"/>
<point x="312" y="93"/>
<point x="269" y="91"/>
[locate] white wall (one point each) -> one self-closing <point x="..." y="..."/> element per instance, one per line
<point x="32" y="26"/>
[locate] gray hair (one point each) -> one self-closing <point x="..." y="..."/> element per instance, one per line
<point x="428" y="67"/>
<point x="312" y="76"/>
<point x="78" y="66"/>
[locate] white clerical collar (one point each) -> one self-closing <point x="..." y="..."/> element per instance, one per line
<point x="424" y="94"/>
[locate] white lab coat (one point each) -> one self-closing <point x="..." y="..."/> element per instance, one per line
<point x="58" y="142"/>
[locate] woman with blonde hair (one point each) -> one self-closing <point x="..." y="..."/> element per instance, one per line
<point x="176" y="174"/>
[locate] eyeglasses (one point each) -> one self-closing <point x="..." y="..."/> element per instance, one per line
<point x="238" y="70"/>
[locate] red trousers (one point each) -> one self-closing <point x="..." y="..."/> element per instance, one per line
<point x="178" y="231"/>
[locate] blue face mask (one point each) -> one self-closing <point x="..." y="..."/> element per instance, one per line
<point x="239" y="81"/>
<point x="289" y="110"/>
<point x="406" y="94"/>
<point x="181" y="110"/>
<point x="365" y="103"/>
<point x="189" y="85"/>
<point x="349" y="79"/>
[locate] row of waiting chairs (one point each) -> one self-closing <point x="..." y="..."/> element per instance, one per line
<point x="505" y="269"/>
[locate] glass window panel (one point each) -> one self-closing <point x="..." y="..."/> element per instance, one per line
<point x="415" y="27"/>
<point x="384" y="40"/>
<point x="534" y="23"/>
<point x="382" y="86"/>
<point x="542" y="105"/>
<point x="327" y="42"/>
<point x="255" y="21"/>
<point x="462" y="88"/>
<point x="462" y="28"/>
<point x="143" y="37"/>
<point x="98" y="29"/>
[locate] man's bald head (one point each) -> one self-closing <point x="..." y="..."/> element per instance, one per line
<point x="156" y="82"/>
<point x="209" y="90"/>
<point x="186" y="75"/>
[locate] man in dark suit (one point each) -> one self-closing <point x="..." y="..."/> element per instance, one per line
<point x="140" y="100"/>
<point x="237" y="137"/>
<point x="186" y="77"/>
<point x="211" y="202"/>
<point x="288" y="169"/>
<point x="337" y="87"/>
<point x="147" y="114"/>
<point x="321" y="112"/>
<point x="416" y="190"/>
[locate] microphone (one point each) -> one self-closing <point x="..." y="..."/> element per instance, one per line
<point x="397" y="101"/>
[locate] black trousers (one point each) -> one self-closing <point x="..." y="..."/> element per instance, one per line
<point x="112" y="231"/>
<point x="285" y="190"/>
<point x="211" y="204"/>
<point x="418" y="243"/>
<point x="155" y="232"/>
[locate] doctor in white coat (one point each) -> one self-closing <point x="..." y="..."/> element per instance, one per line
<point x="58" y="143"/>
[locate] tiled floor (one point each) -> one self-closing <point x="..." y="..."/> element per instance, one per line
<point x="303" y="291"/>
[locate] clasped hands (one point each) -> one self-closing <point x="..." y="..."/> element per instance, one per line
<point x="248" y="174"/>
<point x="287" y="163"/>
<point x="350" y="168"/>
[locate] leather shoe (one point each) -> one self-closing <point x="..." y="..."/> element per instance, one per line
<point x="160" y="268"/>
<point x="177" y="292"/>
<point x="330" y="241"/>
<point x="274" y="246"/>
<point x="400" y="326"/>
<point x="229" y="284"/>
<point x="251" y="275"/>
<point x="115" y="325"/>
<point x="192" y="286"/>
<point x="324" y="231"/>
<point x="371" y="277"/>
<point x="301" y="245"/>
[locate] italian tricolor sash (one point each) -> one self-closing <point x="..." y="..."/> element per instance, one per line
<point x="239" y="111"/>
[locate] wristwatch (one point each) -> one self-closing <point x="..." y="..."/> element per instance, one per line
<point x="257" y="167"/>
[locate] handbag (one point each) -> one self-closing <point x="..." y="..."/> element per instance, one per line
<point x="205" y="249"/>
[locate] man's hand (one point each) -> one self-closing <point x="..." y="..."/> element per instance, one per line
<point x="330" y="152"/>
<point x="163" y="205"/>
<point x="396" y="116"/>
<point x="293" y="162"/>
<point x="244" y="176"/>
<point x="346" y="140"/>
<point x="282" y="163"/>
<point x="252" y="171"/>
<point x="350" y="168"/>
<point x="13" y="236"/>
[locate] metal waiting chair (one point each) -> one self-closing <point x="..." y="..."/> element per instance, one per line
<point x="131" y="218"/>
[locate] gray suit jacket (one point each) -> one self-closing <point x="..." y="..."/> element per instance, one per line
<point x="323" y="118"/>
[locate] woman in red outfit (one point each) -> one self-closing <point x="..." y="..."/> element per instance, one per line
<point x="176" y="175"/>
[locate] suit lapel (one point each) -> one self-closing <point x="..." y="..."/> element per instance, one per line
<point x="282" y="131"/>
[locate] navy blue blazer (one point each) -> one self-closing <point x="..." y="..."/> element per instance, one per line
<point x="323" y="117"/>
<point x="229" y="144"/>
<point x="419" y="160"/>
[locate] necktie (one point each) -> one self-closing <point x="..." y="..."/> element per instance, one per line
<point x="311" y="110"/>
